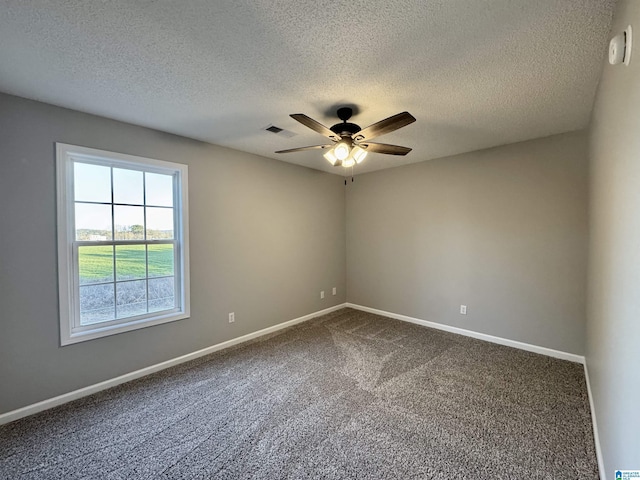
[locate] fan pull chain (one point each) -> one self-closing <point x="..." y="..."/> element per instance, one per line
<point x="347" y="176"/>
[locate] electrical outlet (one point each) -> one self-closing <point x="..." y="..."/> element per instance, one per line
<point x="232" y="317"/>
<point x="322" y="294"/>
<point x="463" y="309"/>
<point x="334" y="290"/>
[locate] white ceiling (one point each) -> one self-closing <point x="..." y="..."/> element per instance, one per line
<point x="475" y="74"/>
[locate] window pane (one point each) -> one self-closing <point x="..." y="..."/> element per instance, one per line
<point x="159" y="223"/>
<point x="93" y="222"/>
<point x="129" y="222"/>
<point x="131" y="262"/>
<point x="159" y="189"/>
<point x="97" y="304"/>
<point x="160" y="260"/>
<point x="127" y="186"/>
<point x="95" y="264"/>
<point x="91" y="183"/>
<point x="131" y="298"/>
<point x="161" y="294"/>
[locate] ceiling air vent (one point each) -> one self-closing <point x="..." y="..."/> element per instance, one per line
<point x="279" y="131"/>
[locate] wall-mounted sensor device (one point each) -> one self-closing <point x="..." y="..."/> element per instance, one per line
<point x="620" y="48"/>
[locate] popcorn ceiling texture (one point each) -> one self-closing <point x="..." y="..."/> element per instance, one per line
<point x="346" y="395"/>
<point x="474" y="73"/>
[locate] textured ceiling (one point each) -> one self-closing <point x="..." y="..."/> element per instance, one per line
<point x="475" y="73"/>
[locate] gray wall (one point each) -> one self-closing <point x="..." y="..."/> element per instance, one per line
<point x="613" y="327"/>
<point x="503" y="231"/>
<point x="266" y="237"/>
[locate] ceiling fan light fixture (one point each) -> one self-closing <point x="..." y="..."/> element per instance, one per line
<point x="349" y="162"/>
<point x="358" y="154"/>
<point x="342" y="150"/>
<point x="332" y="159"/>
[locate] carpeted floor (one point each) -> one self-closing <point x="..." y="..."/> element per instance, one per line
<point x="346" y="395"/>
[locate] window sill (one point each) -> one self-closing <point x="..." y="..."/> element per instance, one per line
<point x="105" y="331"/>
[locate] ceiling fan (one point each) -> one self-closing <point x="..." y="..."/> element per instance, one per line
<point x="350" y="142"/>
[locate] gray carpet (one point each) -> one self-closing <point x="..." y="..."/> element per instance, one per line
<point x="346" y="395"/>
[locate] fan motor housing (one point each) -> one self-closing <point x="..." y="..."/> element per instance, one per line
<point x="345" y="128"/>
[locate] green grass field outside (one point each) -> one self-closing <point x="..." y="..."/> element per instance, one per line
<point x="96" y="263"/>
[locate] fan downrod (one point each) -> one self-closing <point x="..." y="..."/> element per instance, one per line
<point x="344" y="113"/>
<point x="345" y="128"/>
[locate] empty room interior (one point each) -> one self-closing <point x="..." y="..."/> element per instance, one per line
<point x="320" y="239"/>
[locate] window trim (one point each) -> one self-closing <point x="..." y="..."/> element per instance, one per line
<point x="70" y="331"/>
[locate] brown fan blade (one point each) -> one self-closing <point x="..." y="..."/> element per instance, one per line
<point x="300" y="149"/>
<point x="387" y="125"/>
<point x="384" y="148"/>
<point x="313" y="125"/>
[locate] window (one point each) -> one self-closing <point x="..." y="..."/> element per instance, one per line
<point x="123" y="251"/>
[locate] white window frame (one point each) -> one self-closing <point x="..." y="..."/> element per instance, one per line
<point x="68" y="283"/>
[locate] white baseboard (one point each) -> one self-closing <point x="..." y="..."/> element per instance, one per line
<point x="470" y="333"/>
<point x="596" y="437"/>
<point x="91" y="389"/>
